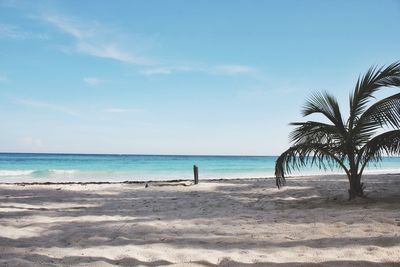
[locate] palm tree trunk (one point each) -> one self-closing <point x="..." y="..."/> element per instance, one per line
<point x="356" y="187"/>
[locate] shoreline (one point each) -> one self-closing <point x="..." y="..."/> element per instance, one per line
<point x="136" y="182"/>
<point x="189" y="180"/>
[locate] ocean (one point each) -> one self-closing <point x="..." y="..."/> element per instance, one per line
<point x="24" y="167"/>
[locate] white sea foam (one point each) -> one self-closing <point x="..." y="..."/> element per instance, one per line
<point x="15" y="172"/>
<point x="61" y="171"/>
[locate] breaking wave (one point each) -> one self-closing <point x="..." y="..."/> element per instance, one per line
<point x="15" y="172"/>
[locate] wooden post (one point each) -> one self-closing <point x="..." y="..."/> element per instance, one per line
<point x="196" y="174"/>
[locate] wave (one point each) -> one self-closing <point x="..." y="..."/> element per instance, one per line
<point x="50" y="172"/>
<point x="53" y="172"/>
<point x="61" y="171"/>
<point x="15" y="172"/>
<point x="116" y="175"/>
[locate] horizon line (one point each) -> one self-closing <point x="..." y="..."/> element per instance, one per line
<point x="137" y="154"/>
<point x="146" y="154"/>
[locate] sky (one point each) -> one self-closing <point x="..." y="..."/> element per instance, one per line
<point x="179" y="77"/>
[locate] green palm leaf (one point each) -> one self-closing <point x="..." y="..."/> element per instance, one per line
<point x="322" y="155"/>
<point x="385" y="112"/>
<point x="384" y="144"/>
<point x="371" y="82"/>
<point x="314" y="131"/>
<point x="327" y="105"/>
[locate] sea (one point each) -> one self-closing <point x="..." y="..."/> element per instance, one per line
<point x="26" y="167"/>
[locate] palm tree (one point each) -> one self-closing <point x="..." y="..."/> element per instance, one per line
<point x="349" y="144"/>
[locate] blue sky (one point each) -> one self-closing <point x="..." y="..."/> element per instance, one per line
<point x="179" y="77"/>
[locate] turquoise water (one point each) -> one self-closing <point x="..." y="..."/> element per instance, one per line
<point x="16" y="167"/>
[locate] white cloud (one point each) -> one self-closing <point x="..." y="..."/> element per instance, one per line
<point x="234" y="69"/>
<point x="156" y="71"/>
<point x="166" y="70"/>
<point x="111" y="51"/>
<point x="93" y="81"/>
<point x="96" y="40"/>
<point x="69" y="26"/>
<point x="45" y="105"/>
<point x="201" y="68"/>
<point x="122" y="110"/>
<point x="13" y="32"/>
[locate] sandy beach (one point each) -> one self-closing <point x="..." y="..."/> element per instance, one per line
<point x="244" y="222"/>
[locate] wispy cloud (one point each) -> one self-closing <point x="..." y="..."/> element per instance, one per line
<point x="201" y="68"/>
<point x="122" y="110"/>
<point x="93" y="81"/>
<point x="166" y="70"/>
<point x="96" y="40"/>
<point x="234" y="69"/>
<point x="46" y="105"/>
<point x="8" y="31"/>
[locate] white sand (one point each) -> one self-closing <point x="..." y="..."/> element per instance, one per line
<point x="223" y="223"/>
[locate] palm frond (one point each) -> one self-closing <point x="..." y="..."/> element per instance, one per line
<point x="300" y="155"/>
<point x="313" y="131"/>
<point x="387" y="143"/>
<point x="385" y="112"/>
<point x="369" y="84"/>
<point x="327" y="105"/>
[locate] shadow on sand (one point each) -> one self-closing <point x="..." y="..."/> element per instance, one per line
<point x="134" y="216"/>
